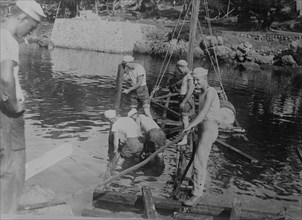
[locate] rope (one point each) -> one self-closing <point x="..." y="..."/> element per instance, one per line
<point x="161" y="72"/>
<point x="177" y="39"/>
<point x="217" y="71"/>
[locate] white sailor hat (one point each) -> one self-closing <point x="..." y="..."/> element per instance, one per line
<point x="128" y="59"/>
<point x="110" y="114"/>
<point x="31" y="8"/>
<point x="132" y="112"/>
<point x="200" y="72"/>
<point x="182" y="63"/>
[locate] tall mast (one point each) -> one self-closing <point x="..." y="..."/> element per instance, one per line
<point x="193" y="27"/>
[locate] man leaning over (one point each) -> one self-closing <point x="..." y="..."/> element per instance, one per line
<point x="126" y="131"/>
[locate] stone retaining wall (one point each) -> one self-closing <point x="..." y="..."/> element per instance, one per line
<point x="272" y="37"/>
<point x="98" y="35"/>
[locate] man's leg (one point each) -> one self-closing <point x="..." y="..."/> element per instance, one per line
<point x="207" y="138"/>
<point x="12" y="159"/>
<point x="147" y="112"/>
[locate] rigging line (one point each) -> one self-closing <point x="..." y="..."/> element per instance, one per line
<point x="174" y="31"/>
<point x="215" y="54"/>
<point x="207" y="50"/>
<point x="177" y="39"/>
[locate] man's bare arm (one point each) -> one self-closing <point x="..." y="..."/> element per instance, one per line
<point x="209" y="98"/>
<point x="8" y="88"/>
<point x="137" y="85"/>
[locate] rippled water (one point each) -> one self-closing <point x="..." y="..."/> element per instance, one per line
<point x="67" y="89"/>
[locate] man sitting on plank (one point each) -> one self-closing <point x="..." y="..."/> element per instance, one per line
<point x="126" y="132"/>
<point x="208" y="119"/>
<point x="155" y="137"/>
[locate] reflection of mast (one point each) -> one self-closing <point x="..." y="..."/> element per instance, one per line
<point x="193" y="25"/>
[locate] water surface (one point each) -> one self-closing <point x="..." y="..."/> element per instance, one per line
<point x="67" y="90"/>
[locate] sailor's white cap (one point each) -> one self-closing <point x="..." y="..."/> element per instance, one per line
<point x="110" y="114"/>
<point x="31" y="8"/>
<point x="132" y="112"/>
<point x="128" y="58"/>
<point x="200" y="72"/>
<point x="182" y="63"/>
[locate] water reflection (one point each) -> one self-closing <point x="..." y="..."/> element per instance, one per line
<point x="67" y="90"/>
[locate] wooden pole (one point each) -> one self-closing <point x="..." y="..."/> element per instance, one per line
<point x="96" y="7"/>
<point x="57" y="12"/>
<point x="193" y="25"/>
<point x="118" y="87"/>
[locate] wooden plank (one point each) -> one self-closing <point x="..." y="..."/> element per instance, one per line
<point x="248" y="157"/>
<point x="299" y="152"/>
<point x="205" y="208"/>
<point x="148" y="203"/>
<point x="47" y="160"/>
<point x="174" y="113"/>
<point x="166" y="96"/>
<point x="46" y="217"/>
<point x="236" y="210"/>
<point x="191" y="216"/>
<point x="95" y="212"/>
<point x="115" y="197"/>
<point x="170" y="122"/>
<point x="238" y="125"/>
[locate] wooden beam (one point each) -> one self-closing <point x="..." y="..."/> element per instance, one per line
<point x="166" y="96"/>
<point x="236" y="210"/>
<point x="174" y="113"/>
<point x="205" y="208"/>
<point x="47" y="160"/>
<point x="192" y="216"/>
<point x="248" y="157"/>
<point x="299" y="152"/>
<point x="148" y="203"/>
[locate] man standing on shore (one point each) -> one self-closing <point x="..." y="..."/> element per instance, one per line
<point x="138" y="91"/>
<point x="26" y="16"/>
<point x="208" y="118"/>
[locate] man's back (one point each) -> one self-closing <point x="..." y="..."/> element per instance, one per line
<point x="147" y="123"/>
<point x="126" y="126"/>
<point x="136" y="72"/>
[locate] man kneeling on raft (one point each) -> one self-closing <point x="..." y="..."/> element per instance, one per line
<point x="126" y="132"/>
<point x="155" y="137"/>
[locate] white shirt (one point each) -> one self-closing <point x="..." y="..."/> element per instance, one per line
<point x="185" y="85"/>
<point x="10" y="51"/>
<point x="147" y="123"/>
<point x="133" y="74"/>
<point x="125" y="127"/>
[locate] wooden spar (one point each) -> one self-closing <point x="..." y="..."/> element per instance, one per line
<point x="174" y="113"/>
<point x="167" y="204"/>
<point x="192" y="36"/>
<point x="250" y="158"/>
<point x="118" y="87"/>
<point x="48" y="159"/>
<point x="148" y="203"/>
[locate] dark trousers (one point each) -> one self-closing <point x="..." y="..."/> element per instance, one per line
<point x="12" y="162"/>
